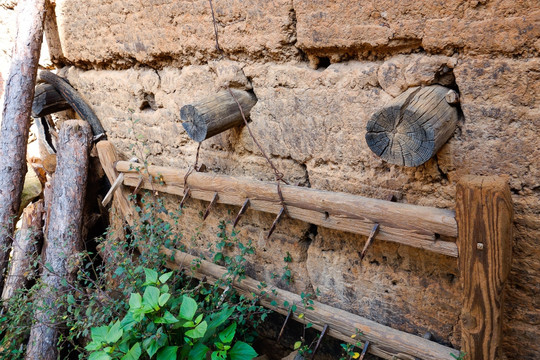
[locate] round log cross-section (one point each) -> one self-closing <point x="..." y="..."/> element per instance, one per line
<point x="215" y="114"/>
<point x="413" y="127"/>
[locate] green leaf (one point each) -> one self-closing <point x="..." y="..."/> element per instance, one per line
<point x="188" y="308"/>
<point x="70" y="299"/>
<point x="168" y="318"/>
<point x="151" y="277"/>
<point x="242" y="351"/>
<point x="198" y="352"/>
<point x="151" y="297"/>
<point x="151" y="346"/>
<point x="198" y="332"/>
<point x="94" y="345"/>
<point x="198" y="319"/>
<point x="100" y="355"/>
<point x="227" y="335"/>
<point x="163" y="278"/>
<point x="100" y="333"/>
<point x="297" y="345"/>
<point x="163" y="298"/>
<point x="115" y="333"/>
<point x="128" y="322"/>
<point x="135" y="301"/>
<point x="167" y="353"/>
<point x="134" y="353"/>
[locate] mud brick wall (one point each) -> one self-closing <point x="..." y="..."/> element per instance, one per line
<point x="320" y="69"/>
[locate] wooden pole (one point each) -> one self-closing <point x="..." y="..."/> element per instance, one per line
<point x="215" y="114"/>
<point x="18" y="97"/>
<point x="413" y="127"/>
<point x="25" y="249"/>
<point x="384" y="341"/>
<point x="484" y="214"/>
<point x="63" y="236"/>
<point x="411" y="225"/>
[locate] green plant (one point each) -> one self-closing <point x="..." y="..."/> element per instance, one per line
<point x="150" y="328"/>
<point x="460" y="357"/>
<point x="349" y="349"/>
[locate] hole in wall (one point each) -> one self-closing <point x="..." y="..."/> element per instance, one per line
<point x="148" y="103"/>
<point x="324" y="62"/>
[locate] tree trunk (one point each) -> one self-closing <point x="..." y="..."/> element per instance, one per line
<point x="25" y="249"/>
<point x="16" y="118"/>
<point x="63" y="235"/>
<point x="413" y="127"/>
<point x="217" y="113"/>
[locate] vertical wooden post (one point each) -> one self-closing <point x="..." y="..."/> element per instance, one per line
<point x="16" y="118"/>
<point x="484" y="215"/>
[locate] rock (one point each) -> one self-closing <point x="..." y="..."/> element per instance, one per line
<point x="294" y="356"/>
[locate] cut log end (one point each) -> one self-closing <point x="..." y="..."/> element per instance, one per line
<point x="194" y="123"/>
<point x="216" y="113"/>
<point x="411" y="129"/>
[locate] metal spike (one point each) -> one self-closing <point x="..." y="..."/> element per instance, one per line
<point x="187" y="194"/>
<point x="323" y="332"/>
<point x="284" y="324"/>
<point x="364" y="350"/>
<point x="241" y="212"/>
<point x="212" y="203"/>
<point x="374" y="232"/>
<point x="276" y="221"/>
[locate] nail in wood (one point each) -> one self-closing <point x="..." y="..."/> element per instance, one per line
<point x="241" y="212"/>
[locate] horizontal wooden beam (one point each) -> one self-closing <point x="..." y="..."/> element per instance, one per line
<point x="385" y="342"/>
<point x="412" y="225"/>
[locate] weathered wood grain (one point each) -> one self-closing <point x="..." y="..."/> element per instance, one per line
<point x="47" y="101"/>
<point x="25" y="249"/>
<point x="412" y="225"/>
<point x="108" y="157"/>
<point x="484" y="215"/>
<point x="63" y="236"/>
<point x="19" y="92"/>
<point x="413" y="127"/>
<point x="215" y="114"/>
<point x="75" y="100"/>
<point x="385" y="342"/>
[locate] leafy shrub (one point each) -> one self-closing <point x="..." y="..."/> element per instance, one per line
<point x="149" y="328"/>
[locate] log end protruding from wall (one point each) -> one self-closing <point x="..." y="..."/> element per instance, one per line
<point x="215" y="114"/>
<point x="413" y="127"/>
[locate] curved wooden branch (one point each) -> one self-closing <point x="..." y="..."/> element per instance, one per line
<point x="75" y="100"/>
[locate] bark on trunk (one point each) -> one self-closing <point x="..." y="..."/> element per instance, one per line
<point x="16" y="118"/>
<point x="63" y="236"/>
<point x="25" y="249"/>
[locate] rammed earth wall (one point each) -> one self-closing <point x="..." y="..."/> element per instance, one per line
<point x="319" y="70"/>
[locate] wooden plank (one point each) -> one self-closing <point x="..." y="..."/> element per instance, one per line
<point x="411" y="225"/>
<point x="63" y="239"/>
<point x="108" y="157"/>
<point x="413" y="127"/>
<point x="18" y="97"/>
<point x="485" y="215"/>
<point x="384" y="341"/>
<point x="217" y="113"/>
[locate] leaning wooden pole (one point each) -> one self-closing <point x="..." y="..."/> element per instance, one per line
<point x="484" y="215"/>
<point x="25" y="249"/>
<point x="18" y="98"/>
<point x="63" y="236"/>
<point x="386" y="342"/>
